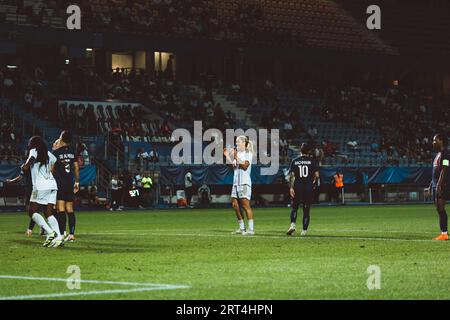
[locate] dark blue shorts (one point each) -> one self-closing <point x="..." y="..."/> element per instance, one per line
<point x="303" y="196"/>
<point x="65" y="193"/>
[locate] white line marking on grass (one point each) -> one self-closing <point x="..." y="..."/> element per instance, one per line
<point x="259" y="236"/>
<point x="145" y="287"/>
<point x="121" y="283"/>
<point x="82" y="293"/>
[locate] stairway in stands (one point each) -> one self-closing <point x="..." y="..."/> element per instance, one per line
<point x="241" y="113"/>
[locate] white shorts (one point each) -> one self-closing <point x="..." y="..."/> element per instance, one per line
<point x="44" y="196"/>
<point x="242" y="192"/>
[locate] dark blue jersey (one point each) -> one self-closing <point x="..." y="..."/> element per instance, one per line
<point x="442" y="159"/>
<point x="304" y="168"/>
<point x="65" y="158"/>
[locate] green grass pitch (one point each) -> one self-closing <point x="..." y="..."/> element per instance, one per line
<point x="191" y="254"/>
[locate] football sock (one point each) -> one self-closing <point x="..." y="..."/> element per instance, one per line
<point x="294" y="215"/>
<point x="241" y="224"/>
<point x="31" y="224"/>
<point x="40" y="221"/>
<point x="250" y="225"/>
<point x="72" y="222"/>
<point x="54" y="224"/>
<point x="306" y="216"/>
<point x="443" y="220"/>
<point x="62" y="220"/>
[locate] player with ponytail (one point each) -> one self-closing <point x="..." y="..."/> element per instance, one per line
<point x="241" y="163"/>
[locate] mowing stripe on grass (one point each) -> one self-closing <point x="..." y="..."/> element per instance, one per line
<point x="144" y="287"/>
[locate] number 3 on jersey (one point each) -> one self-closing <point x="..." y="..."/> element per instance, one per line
<point x="67" y="166"/>
<point x="303" y="171"/>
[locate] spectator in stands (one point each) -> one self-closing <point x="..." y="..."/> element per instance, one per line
<point x="374" y="147"/>
<point x="137" y="183"/>
<point x="116" y="196"/>
<point x="141" y="158"/>
<point x="92" y="195"/>
<point x="328" y="148"/>
<point x="204" y="194"/>
<point x="169" y="68"/>
<point x="83" y="154"/>
<point x="235" y="89"/>
<point x="319" y="155"/>
<point x="312" y="131"/>
<point x="353" y="145"/>
<point x="147" y="186"/>
<point x="28" y="99"/>
<point x="8" y="85"/>
<point x="288" y="125"/>
<point x="153" y="155"/>
<point x="338" y="183"/>
<point x="188" y="188"/>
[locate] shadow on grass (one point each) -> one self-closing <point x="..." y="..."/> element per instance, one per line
<point x="98" y="247"/>
<point x="281" y="234"/>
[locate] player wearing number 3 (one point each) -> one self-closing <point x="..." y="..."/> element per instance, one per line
<point x="65" y="170"/>
<point x="303" y="178"/>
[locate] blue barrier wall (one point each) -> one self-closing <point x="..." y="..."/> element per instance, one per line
<point x="222" y="175"/>
<point x="88" y="173"/>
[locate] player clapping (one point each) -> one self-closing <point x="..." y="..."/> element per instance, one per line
<point x="242" y="183"/>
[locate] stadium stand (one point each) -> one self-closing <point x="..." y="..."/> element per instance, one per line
<point x="132" y="110"/>
<point x="400" y="20"/>
<point x="313" y="24"/>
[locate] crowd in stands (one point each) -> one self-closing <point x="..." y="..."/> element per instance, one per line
<point x="10" y="150"/>
<point x="173" y="18"/>
<point x="126" y="121"/>
<point x="273" y="23"/>
<point x="405" y="119"/>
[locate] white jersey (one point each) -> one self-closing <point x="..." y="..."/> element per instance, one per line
<point x="241" y="176"/>
<point x="188" y="180"/>
<point x="114" y="184"/>
<point x="42" y="176"/>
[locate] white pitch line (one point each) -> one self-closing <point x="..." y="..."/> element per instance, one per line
<point x="142" y="284"/>
<point x="83" y="293"/>
<point x="258" y="236"/>
<point x="145" y="287"/>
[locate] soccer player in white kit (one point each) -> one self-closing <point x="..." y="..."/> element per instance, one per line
<point x="242" y="183"/>
<point x="40" y="161"/>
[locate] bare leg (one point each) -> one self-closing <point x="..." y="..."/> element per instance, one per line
<point x="237" y="209"/>
<point x="443" y="219"/>
<point x="247" y="208"/>
<point x="249" y="213"/>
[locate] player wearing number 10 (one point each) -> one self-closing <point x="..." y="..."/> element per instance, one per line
<point x="303" y="178"/>
<point x="65" y="170"/>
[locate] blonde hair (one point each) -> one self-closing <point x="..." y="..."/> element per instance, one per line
<point x="248" y="143"/>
